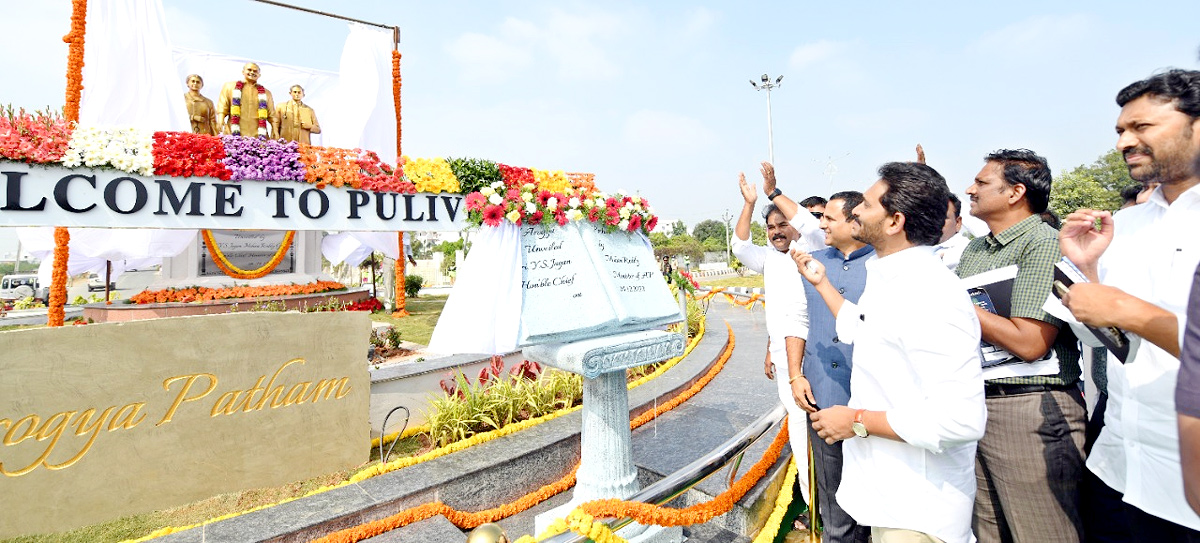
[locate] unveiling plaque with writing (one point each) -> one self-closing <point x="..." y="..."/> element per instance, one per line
<point x="578" y="281"/>
<point x="248" y="250"/>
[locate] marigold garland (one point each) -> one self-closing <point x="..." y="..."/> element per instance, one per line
<point x="396" y="81"/>
<point x="784" y="500"/>
<point x="58" y="292"/>
<point x="205" y="294"/>
<point x="237" y="273"/>
<point x="74" y="39"/>
<point x="401" y="301"/>
<point x="466" y="520"/>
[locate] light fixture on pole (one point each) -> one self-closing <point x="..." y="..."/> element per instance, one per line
<point x="767" y="85"/>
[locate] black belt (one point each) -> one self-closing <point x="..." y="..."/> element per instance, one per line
<point x="1006" y="389"/>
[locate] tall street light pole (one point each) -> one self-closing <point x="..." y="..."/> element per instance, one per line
<point x="728" y="235"/>
<point x="767" y="85"/>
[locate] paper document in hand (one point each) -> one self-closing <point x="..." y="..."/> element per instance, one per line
<point x="992" y="292"/>
<point x="1117" y="341"/>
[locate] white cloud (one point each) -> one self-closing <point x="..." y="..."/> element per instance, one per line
<point x="485" y="58"/>
<point x="660" y="131"/>
<point x="576" y="44"/>
<point x="1040" y="36"/>
<point x="699" y="21"/>
<point x="812" y="53"/>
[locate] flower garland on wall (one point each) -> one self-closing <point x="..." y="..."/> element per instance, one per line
<point x="36" y="138"/>
<point x="204" y="294"/>
<point x="235" y="272"/>
<point x="126" y="149"/>
<point x="527" y="205"/>
<point x="183" y="154"/>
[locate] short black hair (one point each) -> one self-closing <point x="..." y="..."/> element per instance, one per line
<point x="1051" y="218"/>
<point x="769" y="209"/>
<point x="957" y="205"/>
<point x="813" y="201"/>
<point x="1027" y="168"/>
<point x="1130" y="193"/>
<point x="918" y="192"/>
<point x="1179" y="86"/>
<point x="850" y="200"/>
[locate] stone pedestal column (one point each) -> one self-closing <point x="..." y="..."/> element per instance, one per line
<point x="606" y="460"/>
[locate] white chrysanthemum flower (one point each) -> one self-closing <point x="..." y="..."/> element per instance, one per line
<point x="623" y="225"/>
<point x="552" y="203"/>
<point x="574" y="215"/>
<point x="528" y="186"/>
<point x="513" y="216"/>
<point x="495" y="199"/>
<point x="497" y="185"/>
<point x="527" y="196"/>
<point x="487" y="191"/>
<point x="530" y="207"/>
<point x="624" y="212"/>
<point x="573" y="202"/>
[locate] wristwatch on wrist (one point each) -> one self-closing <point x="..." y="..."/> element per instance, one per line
<point x="774" y="193"/>
<point x="860" y="428"/>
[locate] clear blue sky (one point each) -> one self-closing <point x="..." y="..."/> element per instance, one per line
<point x="654" y="97"/>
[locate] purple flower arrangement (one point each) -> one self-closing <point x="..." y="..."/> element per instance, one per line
<point x="262" y="159"/>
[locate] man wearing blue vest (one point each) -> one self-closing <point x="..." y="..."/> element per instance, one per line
<point x="827" y="359"/>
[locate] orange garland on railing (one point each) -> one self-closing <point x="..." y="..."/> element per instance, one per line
<point x="62" y="238"/>
<point x="468" y="520"/>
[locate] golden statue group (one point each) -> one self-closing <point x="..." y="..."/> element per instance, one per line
<point x="247" y="108"/>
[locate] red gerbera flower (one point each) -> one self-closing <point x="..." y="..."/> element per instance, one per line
<point x="635" y="222"/>
<point x="492" y="215"/>
<point x="475" y="201"/>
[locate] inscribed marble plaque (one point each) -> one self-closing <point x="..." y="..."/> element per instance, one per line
<point x="579" y="282"/>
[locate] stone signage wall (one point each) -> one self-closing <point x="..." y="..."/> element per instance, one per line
<point x="101" y="421"/>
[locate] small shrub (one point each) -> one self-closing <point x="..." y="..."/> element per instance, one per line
<point x="27" y="303"/>
<point x="412" y="285"/>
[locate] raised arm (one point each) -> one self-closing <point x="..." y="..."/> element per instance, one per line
<point x="750" y="197"/>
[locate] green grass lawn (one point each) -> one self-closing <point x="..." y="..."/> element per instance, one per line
<point x="417" y="327"/>
<point x="755" y="280"/>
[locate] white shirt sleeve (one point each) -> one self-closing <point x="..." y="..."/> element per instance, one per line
<point x="849" y="318"/>
<point x="952" y="410"/>
<point x="752" y="256"/>
<point x="812" y="238"/>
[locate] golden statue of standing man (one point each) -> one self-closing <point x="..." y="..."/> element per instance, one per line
<point x="201" y="112"/>
<point x="295" y="119"/>
<point x="246" y="108"/>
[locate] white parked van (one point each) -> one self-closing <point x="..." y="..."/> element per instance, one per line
<point x="21" y="286"/>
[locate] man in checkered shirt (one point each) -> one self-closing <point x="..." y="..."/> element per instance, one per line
<point x="1030" y="460"/>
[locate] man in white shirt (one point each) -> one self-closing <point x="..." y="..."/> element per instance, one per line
<point x="916" y="405"/>
<point x="786" y="310"/>
<point x="1141" y="284"/>
<point x="950" y="248"/>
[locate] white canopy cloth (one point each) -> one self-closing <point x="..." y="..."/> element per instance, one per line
<point x="91" y="248"/>
<point x="483" y="313"/>
<point x="128" y="80"/>
<point x="354" y="247"/>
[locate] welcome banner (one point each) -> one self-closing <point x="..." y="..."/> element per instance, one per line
<point x="47" y="195"/>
